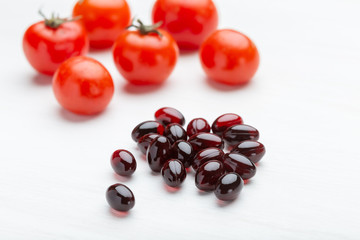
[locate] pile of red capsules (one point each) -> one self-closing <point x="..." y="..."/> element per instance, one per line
<point x="172" y="150"/>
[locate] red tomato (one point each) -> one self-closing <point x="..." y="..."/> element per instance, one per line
<point x="188" y="21"/>
<point x="229" y="57"/>
<point x="48" y="43"/>
<point x="145" y="58"/>
<point x="103" y="20"/>
<point x="83" y="85"/>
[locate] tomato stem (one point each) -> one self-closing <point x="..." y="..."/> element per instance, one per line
<point x="146" y="29"/>
<point x="55" y="21"/>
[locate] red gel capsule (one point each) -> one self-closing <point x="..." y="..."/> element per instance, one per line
<point x="208" y="174"/>
<point x="175" y="132"/>
<point x="234" y="162"/>
<point x="253" y="150"/>
<point x="173" y="173"/>
<point x="201" y="141"/>
<point x="224" y="121"/>
<point x="197" y="125"/>
<point x="205" y="155"/>
<point x="123" y="162"/>
<point x="167" y="115"/>
<point x="158" y="153"/>
<point x="229" y="186"/>
<point x="120" y="197"/>
<point x="145" y="141"/>
<point x="238" y="133"/>
<point x="145" y="128"/>
<point x="183" y="151"/>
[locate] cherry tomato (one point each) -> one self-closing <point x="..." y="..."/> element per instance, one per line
<point x="145" y="56"/>
<point x="103" y="20"/>
<point x="83" y="85"/>
<point x="229" y="57"/>
<point x="188" y="21"/>
<point x="48" y="43"/>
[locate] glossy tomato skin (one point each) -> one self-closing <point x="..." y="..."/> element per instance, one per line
<point x="46" y="48"/>
<point x="229" y="57"/>
<point x="103" y="20"/>
<point x="188" y="21"/>
<point x="82" y="85"/>
<point x="145" y="59"/>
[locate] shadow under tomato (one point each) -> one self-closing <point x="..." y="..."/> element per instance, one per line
<point x="100" y="50"/>
<point x="224" y="87"/>
<point x="76" y="118"/>
<point x="141" y="89"/>
<point x="42" y="79"/>
<point x="189" y="52"/>
<point x="118" y="214"/>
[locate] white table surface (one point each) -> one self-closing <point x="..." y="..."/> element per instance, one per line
<point x="304" y="100"/>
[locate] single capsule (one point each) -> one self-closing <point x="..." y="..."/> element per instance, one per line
<point x="201" y="141"/>
<point x="158" y="153"/>
<point x="234" y="162"/>
<point x="173" y="173"/>
<point x="208" y="174"/>
<point x="145" y="128"/>
<point x="120" y="197"/>
<point x="167" y="115"/>
<point x="197" y="125"/>
<point x="175" y="132"/>
<point x="183" y="151"/>
<point x="253" y="150"/>
<point x="224" y="121"/>
<point x="238" y="133"/>
<point x="123" y="162"/>
<point x="229" y="186"/>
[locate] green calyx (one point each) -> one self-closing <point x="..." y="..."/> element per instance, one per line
<point x="146" y="29"/>
<point x="55" y="21"/>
